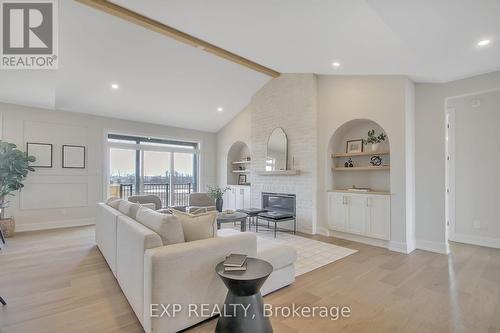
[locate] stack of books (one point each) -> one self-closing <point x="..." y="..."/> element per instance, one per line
<point x="235" y="263"/>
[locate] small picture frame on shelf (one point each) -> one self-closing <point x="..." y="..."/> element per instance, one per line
<point x="73" y="157"/>
<point x="42" y="153"/>
<point x="354" y="146"/>
<point x="242" y="179"/>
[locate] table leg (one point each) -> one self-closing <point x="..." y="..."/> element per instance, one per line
<point x="243" y="224"/>
<point x="218" y="225"/>
<point x="2" y="236"/>
<point x="235" y="320"/>
<point x="275" y="225"/>
<point x="257" y="225"/>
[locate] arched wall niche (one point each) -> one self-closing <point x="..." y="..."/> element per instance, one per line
<point x="376" y="180"/>
<point x="237" y="152"/>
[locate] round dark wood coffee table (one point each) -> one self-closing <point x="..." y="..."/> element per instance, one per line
<point x="244" y="293"/>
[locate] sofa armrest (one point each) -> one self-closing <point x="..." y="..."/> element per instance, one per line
<point x="185" y="274"/>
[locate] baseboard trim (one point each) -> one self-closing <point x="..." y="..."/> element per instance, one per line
<point x="390" y="245"/>
<point x="23" y="227"/>
<point x="322" y="231"/>
<point x="437" y="247"/>
<point x="401" y="247"/>
<point x="476" y="240"/>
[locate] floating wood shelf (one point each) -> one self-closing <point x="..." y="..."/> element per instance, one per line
<point x="368" y="168"/>
<point x="365" y="153"/>
<point x="362" y="192"/>
<point x="241" y="162"/>
<point x="241" y="171"/>
<point x="278" y="173"/>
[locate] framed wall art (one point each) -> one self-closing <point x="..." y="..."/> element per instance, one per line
<point x="73" y="157"/>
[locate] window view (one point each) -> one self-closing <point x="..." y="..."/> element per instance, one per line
<point x="146" y="168"/>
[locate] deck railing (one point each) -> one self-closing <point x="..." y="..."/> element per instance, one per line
<point x="180" y="198"/>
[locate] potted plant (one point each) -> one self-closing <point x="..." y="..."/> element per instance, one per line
<point x="14" y="167"/>
<point x="216" y="193"/>
<point x="374" y="140"/>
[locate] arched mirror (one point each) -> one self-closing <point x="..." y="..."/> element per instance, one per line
<point x="276" y="150"/>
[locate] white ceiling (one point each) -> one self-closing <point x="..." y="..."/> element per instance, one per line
<point x="429" y="40"/>
<point x="161" y="80"/>
<point x="167" y="82"/>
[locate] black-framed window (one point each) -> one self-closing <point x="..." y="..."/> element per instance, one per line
<point x="168" y="169"/>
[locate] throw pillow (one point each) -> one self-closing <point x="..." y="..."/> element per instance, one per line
<point x="128" y="208"/>
<point x="166" y="225"/>
<point x="114" y="203"/>
<point x="199" y="226"/>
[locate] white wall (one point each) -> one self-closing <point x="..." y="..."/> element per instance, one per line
<point x="384" y="100"/>
<point x="63" y="197"/>
<point x="310" y="108"/>
<point x="430" y="154"/>
<point x="238" y="129"/>
<point x="289" y="102"/>
<point x="476" y="162"/>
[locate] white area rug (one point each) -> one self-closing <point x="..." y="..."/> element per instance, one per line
<point x="311" y="254"/>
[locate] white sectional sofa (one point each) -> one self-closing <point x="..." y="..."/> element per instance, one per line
<point x="184" y="273"/>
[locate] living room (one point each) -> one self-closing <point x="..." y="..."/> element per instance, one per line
<point x="186" y="166"/>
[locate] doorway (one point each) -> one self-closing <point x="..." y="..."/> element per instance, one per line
<point x="472" y="164"/>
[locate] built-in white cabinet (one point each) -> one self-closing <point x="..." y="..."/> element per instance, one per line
<point x="362" y="214"/>
<point x="237" y="197"/>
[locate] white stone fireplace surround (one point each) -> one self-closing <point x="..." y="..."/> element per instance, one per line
<point x="295" y="113"/>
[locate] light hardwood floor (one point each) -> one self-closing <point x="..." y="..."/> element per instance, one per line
<point x="57" y="281"/>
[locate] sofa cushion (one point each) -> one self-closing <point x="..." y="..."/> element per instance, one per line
<point x="167" y="226"/>
<point x="277" y="254"/>
<point x="114" y="202"/>
<point x="199" y="226"/>
<point x="128" y="208"/>
<point x="151" y="206"/>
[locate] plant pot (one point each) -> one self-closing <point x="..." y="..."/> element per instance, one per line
<point x="375" y="146"/>
<point x="218" y="204"/>
<point x="8" y="227"/>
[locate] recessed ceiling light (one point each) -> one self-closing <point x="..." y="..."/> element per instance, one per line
<point x="220" y="109"/>
<point x="336" y="64"/>
<point x="484" y="42"/>
<point x="115" y="86"/>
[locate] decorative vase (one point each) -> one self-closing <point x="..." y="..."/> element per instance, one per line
<point x="375" y="146"/>
<point x="218" y="204"/>
<point x="8" y="227"/>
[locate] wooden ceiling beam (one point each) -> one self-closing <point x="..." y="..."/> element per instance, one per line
<point x="148" y="23"/>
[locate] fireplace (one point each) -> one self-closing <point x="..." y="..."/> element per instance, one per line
<point x="279" y="207"/>
<point x="279" y="203"/>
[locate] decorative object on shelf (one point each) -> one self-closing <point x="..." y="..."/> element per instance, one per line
<point x="374" y="140"/>
<point x="359" y="189"/>
<point x="216" y="193"/>
<point x="376" y="161"/>
<point x="349" y="163"/>
<point x="73" y="157"/>
<point x="42" y="152"/>
<point x="248" y="158"/>
<point x="354" y="146"/>
<point x="242" y="179"/>
<point x="14" y="167"/>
